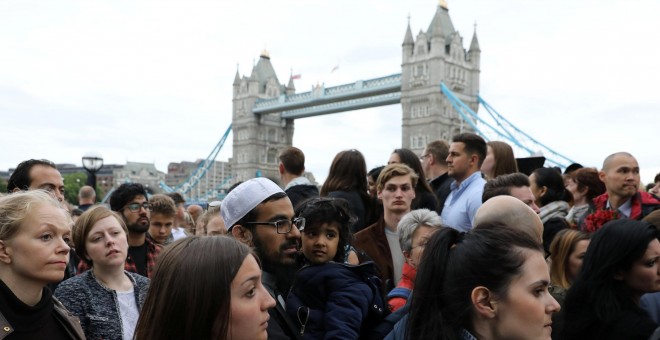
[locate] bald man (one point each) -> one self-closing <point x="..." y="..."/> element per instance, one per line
<point x="620" y="173"/>
<point x="511" y="212"/>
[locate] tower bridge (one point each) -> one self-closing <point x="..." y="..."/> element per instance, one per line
<point x="264" y="110"/>
<point x="438" y="89"/>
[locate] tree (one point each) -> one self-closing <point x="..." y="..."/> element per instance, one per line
<point x="72" y="184"/>
<point x="3" y="185"/>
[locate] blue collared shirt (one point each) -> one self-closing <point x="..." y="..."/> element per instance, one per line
<point x="463" y="202"/>
<point x="625" y="209"/>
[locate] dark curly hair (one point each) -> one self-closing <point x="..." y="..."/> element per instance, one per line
<point x="125" y="193"/>
<point x="317" y="211"/>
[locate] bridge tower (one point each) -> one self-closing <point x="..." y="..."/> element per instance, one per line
<point x="258" y="139"/>
<point x="435" y="56"/>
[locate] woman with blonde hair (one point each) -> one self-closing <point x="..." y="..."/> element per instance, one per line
<point x="107" y="298"/>
<point x="34" y="231"/>
<point x="566" y="253"/>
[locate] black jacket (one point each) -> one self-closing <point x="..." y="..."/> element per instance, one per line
<point x="301" y="192"/>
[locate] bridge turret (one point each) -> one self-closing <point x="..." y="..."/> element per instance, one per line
<point x="290" y="88"/>
<point x="253" y="82"/>
<point x="258" y="138"/>
<point x="474" y="57"/>
<point x="438" y="56"/>
<point x="474" y="53"/>
<point x="237" y="82"/>
<point x="408" y="44"/>
<point x="437" y="35"/>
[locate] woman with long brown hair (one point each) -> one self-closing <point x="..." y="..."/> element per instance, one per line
<point x="347" y="179"/>
<point x="206" y="288"/>
<point x="499" y="160"/>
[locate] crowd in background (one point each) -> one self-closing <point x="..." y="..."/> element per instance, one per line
<point x="462" y="241"/>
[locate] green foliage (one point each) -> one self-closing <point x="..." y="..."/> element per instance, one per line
<point x="72" y="184"/>
<point x="3" y="185"/>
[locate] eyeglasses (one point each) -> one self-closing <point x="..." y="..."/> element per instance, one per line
<point x="135" y="207"/>
<point x="421" y="158"/>
<point x="284" y="226"/>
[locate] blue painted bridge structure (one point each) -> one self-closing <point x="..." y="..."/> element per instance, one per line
<point x="438" y="90"/>
<point x="383" y="91"/>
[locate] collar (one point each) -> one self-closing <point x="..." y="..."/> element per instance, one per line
<point x="466" y="182"/>
<point x="463" y="334"/>
<point x="625" y="209"/>
<point x="440" y="178"/>
<point x="298" y="181"/>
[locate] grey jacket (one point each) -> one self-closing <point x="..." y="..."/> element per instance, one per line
<point x="96" y="305"/>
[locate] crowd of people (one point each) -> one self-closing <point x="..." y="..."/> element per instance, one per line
<point x="458" y="242"/>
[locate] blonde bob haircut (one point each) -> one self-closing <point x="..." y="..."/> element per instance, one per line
<point x="16" y="207"/>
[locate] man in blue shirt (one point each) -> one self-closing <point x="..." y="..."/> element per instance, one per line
<point x="466" y="153"/>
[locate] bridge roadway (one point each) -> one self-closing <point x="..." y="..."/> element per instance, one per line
<point x="361" y="94"/>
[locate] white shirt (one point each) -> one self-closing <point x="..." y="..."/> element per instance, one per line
<point x="397" y="254"/>
<point x="128" y="311"/>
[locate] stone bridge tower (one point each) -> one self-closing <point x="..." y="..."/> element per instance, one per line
<point x="258" y="139"/>
<point x="435" y="56"/>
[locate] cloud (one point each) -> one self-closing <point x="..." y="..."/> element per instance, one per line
<point x="151" y="81"/>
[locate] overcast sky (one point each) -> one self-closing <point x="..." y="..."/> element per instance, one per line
<point x="151" y="81"/>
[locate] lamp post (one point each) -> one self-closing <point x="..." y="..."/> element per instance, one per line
<point x="92" y="162"/>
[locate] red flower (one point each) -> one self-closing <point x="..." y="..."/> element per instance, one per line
<point x="595" y="220"/>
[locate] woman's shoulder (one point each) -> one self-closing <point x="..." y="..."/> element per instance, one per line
<point x="631" y="324"/>
<point x="75" y="283"/>
<point x="137" y="278"/>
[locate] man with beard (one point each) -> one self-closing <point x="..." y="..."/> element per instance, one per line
<point x="131" y="203"/>
<point x="259" y="214"/>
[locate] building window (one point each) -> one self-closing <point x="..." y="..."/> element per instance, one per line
<point x="272" y="156"/>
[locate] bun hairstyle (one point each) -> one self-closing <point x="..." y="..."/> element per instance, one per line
<point x="554" y="182"/>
